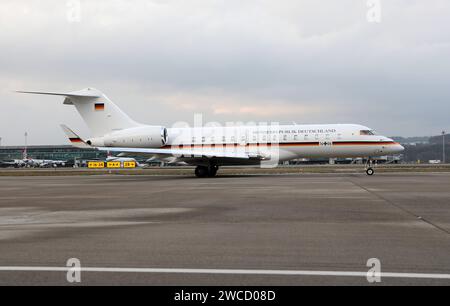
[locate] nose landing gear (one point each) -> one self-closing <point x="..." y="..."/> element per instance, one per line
<point x="204" y="171"/>
<point x="369" y="167"/>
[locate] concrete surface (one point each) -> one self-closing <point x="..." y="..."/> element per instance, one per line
<point x="272" y="222"/>
<point x="235" y="170"/>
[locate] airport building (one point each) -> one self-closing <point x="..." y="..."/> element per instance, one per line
<point x="67" y="153"/>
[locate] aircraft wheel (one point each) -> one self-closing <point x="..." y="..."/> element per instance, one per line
<point x="370" y="171"/>
<point x="201" y="171"/>
<point x="213" y="171"/>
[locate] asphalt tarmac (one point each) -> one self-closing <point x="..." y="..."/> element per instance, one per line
<point x="291" y="222"/>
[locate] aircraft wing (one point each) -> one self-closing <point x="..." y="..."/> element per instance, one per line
<point x="188" y="153"/>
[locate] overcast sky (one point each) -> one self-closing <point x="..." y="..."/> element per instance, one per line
<point x="162" y="61"/>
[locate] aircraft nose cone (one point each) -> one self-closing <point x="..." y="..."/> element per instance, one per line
<point x="399" y="148"/>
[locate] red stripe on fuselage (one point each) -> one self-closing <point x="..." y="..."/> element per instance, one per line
<point x="364" y="143"/>
<point x="290" y="144"/>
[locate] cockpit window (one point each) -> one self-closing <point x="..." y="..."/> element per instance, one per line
<point x="367" y="132"/>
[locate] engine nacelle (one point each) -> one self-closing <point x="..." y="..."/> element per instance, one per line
<point x="140" y="137"/>
<point x="96" y="142"/>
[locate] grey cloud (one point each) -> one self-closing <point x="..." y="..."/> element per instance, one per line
<point x="391" y="76"/>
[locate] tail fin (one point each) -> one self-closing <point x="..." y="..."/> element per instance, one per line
<point x="100" y="114"/>
<point x="74" y="139"/>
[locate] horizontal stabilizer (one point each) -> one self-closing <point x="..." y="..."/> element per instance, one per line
<point x="85" y="93"/>
<point x="99" y="113"/>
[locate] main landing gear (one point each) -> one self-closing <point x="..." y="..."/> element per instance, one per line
<point x="204" y="171"/>
<point x="370" y="171"/>
<point x="369" y="167"/>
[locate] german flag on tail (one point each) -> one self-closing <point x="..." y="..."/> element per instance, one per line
<point x="99" y="106"/>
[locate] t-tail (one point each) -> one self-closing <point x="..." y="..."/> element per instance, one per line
<point x="100" y="114"/>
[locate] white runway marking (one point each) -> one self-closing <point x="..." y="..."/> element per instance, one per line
<point x="227" y="271"/>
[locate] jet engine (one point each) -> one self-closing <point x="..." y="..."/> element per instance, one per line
<point x="139" y="137"/>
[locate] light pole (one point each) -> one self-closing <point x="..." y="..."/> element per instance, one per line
<point x="25" y="151"/>
<point x="443" y="147"/>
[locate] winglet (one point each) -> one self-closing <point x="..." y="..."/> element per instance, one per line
<point x="75" y="140"/>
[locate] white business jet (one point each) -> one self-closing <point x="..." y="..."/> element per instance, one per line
<point x="208" y="148"/>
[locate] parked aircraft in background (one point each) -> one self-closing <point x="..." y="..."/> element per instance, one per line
<point x="46" y="163"/>
<point x="16" y="163"/>
<point x="33" y="163"/>
<point x="208" y="148"/>
<point x="27" y="162"/>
